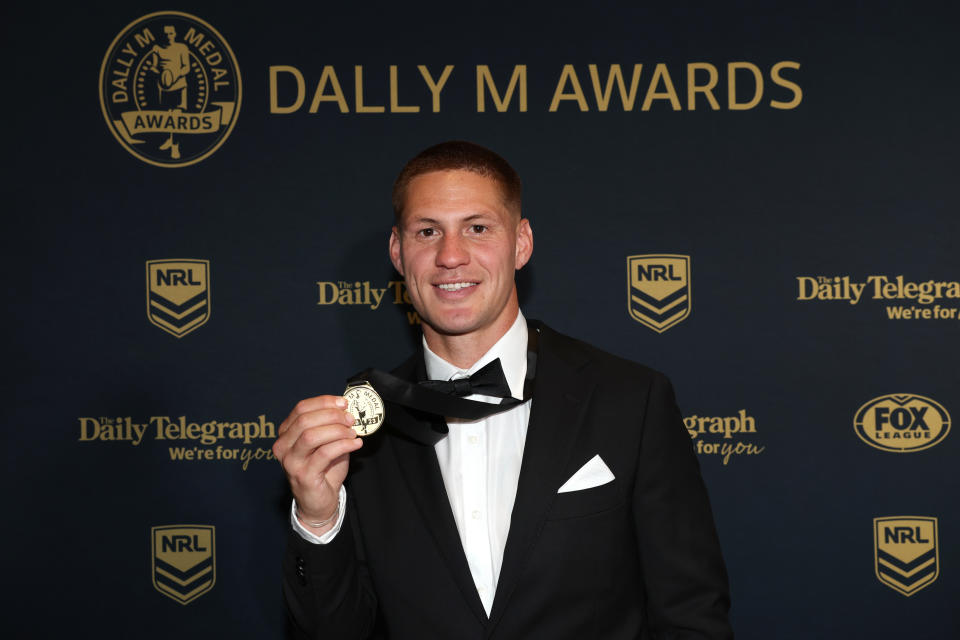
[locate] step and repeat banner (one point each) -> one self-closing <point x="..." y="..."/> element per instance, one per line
<point x="758" y="199"/>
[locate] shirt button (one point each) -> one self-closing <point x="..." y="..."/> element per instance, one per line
<point x="476" y="514"/>
<point x="474" y="439"/>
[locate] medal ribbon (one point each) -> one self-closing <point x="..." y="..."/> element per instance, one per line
<point x="424" y="397"/>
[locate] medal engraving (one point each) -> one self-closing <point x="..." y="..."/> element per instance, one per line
<point x="366" y="407"/>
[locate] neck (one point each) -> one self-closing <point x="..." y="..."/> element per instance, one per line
<point x="463" y="351"/>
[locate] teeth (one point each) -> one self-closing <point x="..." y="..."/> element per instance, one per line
<point x="456" y="286"/>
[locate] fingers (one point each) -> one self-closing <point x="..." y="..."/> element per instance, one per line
<point x="321" y="461"/>
<point x="311" y="405"/>
<point x="311" y="413"/>
<point x="316" y="432"/>
<point x="312" y="431"/>
<point x="323" y="440"/>
<point x="314" y="445"/>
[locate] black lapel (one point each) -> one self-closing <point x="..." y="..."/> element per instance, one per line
<point x="560" y="396"/>
<point x="419" y="466"/>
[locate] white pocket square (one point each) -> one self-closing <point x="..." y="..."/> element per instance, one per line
<point x="592" y="474"/>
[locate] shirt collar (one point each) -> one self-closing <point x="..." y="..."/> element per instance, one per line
<point x="511" y="348"/>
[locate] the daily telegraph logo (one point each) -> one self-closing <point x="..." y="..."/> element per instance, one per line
<point x="902" y="422"/>
<point x="170" y="89"/>
<point x="187" y="440"/>
<point x="184" y="561"/>
<point x="178" y="295"/>
<point x="906" y="552"/>
<point x="724" y="436"/>
<point x="658" y="289"/>
<point x="912" y="300"/>
<point x="365" y="294"/>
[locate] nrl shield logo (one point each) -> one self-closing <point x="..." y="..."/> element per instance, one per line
<point x="906" y="552"/>
<point x="658" y="289"/>
<point x="183" y="561"/>
<point x="178" y="294"/>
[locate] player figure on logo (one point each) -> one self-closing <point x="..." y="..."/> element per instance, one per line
<point x="172" y="62"/>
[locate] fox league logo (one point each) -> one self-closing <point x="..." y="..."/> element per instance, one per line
<point x="178" y="295"/>
<point x="658" y="289"/>
<point x="170" y="89"/>
<point x="184" y="561"/>
<point x="902" y="422"/>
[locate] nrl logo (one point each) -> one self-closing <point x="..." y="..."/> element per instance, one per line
<point x="183" y="561"/>
<point x="658" y="289"/>
<point x="170" y="89"/>
<point x="178" y="294"/>
<point x="906" y="552"/>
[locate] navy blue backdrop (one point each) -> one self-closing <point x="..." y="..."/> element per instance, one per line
<point x="800" y="158"/>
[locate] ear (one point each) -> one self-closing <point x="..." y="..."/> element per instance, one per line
<point x="395" y="250"/>
<point x="524" y="243"/>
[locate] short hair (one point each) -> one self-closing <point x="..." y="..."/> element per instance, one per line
<point x="459" y="155"/>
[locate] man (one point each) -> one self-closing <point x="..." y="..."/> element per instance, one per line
<point x="577" y="514"/>
<point x="172" y="63"/>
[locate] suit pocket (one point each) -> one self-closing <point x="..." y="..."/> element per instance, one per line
<point x="586" y="502"/>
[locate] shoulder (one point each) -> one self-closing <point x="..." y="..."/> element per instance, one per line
<point x="593" y="361"/>
<point x="622" y="392"/>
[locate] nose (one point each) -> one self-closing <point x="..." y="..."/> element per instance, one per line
<point x="452" y="252"/>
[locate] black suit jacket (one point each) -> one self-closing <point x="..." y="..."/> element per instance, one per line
<point x="635" y="558"/>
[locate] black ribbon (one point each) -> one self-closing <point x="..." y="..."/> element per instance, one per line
<point x="435" y="398"/>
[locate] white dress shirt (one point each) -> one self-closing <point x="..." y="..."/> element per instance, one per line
<point x="479" y="461"/>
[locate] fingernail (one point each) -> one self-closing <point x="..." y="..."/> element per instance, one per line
<point x="342" y="403"/>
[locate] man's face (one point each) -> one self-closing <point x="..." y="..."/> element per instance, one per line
<point x="171" y="34"/>
<point x="457" y="247"/>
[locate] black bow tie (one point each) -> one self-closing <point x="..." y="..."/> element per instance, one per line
<point x="489" y="380"/>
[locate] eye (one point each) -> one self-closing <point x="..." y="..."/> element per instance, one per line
<point x="478" y="228"/>
<point x="426" y="232"/>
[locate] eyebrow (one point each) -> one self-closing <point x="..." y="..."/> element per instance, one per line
<point x="469" y="218"/>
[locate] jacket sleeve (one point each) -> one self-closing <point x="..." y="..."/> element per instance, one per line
<point x="685" y="579"/>
<point x="326" y="587"/>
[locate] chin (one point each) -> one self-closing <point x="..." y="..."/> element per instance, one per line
<point x="454" y="328"/>
<point x="452" y="324"/>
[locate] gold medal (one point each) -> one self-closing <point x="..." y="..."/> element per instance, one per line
<point x="366" y="407"/>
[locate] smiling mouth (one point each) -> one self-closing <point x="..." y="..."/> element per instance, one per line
<point x="456" y="286"/>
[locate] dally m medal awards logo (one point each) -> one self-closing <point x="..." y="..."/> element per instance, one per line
<point x="170" y="89"/>
<point x="906" y="552"/>
<point x="658" y="289"/>
<point x="184" y="561"/>
<point x="902" y="422"/>
<point x="178" y="294"/>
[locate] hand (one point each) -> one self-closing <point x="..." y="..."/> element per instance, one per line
<point x="313" y="445"/>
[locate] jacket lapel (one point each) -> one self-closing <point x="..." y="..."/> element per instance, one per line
<point x="419" y="466"/>
<point x="559" y="403"/>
